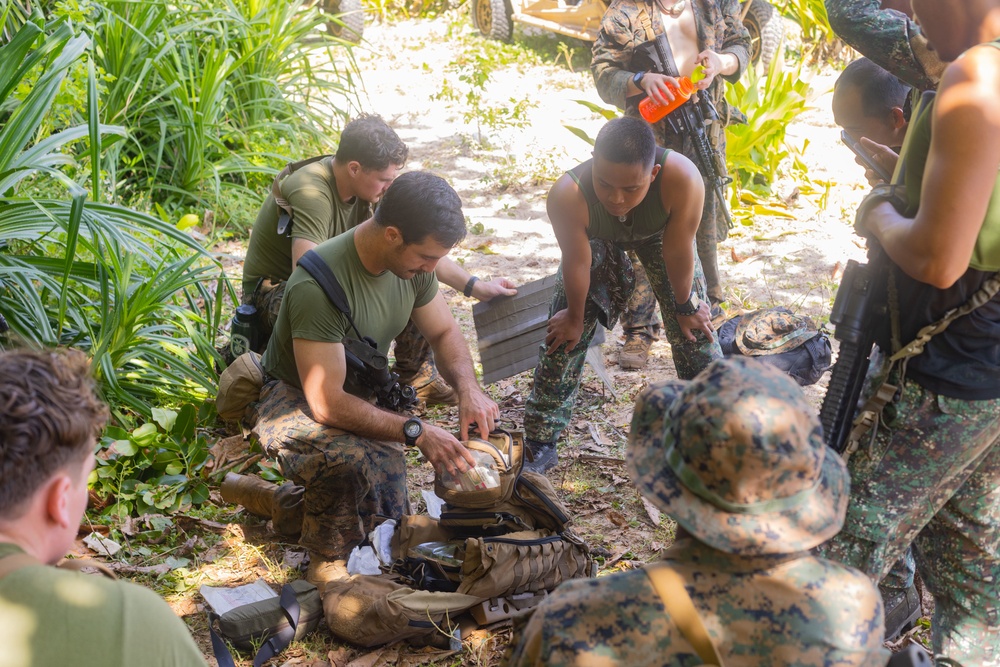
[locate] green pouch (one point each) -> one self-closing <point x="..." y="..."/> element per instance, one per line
<point x="271" y="624"/>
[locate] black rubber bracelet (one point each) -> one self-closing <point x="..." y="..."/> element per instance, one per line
<point x="469" y="285"/>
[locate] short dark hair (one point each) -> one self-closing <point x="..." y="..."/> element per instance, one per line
<point x="49" y="415"/>
<point x="420" y="204"/>
<point x="626" y="140"/>
<point x="368" y="141"/>
<point x="881" y="91"/>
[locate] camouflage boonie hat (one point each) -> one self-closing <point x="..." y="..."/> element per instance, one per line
<point x="771" y="331"/>
<point x="736" y="457"/>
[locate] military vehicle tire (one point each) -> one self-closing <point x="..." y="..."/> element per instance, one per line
<point x="493" y="18"/>
<point x="766" y="29"/>
<point x="350" y="23"/>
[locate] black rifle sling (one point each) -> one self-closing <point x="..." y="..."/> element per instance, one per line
<point x="328" y="282"/>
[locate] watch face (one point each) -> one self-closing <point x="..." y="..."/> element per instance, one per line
<point x="412" y="428"/>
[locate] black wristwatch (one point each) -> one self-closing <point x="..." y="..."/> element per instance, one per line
<point x="637" y="79"/>
<point x="689" y="307"/>
<point x="413" y="428"/>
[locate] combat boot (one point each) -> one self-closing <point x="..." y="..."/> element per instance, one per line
<point x="437" y="392"/>
<point x="543" y="456"/>
<point x="253" y="493"/>
<point x="635" y="351"/>
<point x="902" y="609"/>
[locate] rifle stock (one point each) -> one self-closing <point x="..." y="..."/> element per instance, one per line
<point x="859" y="305"/>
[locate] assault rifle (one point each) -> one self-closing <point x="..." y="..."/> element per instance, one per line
<point x="859" y="305"/>
<point x="689" y="120"/>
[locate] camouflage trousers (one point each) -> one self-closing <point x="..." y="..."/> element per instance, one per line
<point x="557" y="375"/>
<point x="931" y="478"/>
<point x="413" y="355"/>
<point x="350" y="482"/>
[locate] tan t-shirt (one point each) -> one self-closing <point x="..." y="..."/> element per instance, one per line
<point x="319" y="215"/>
<point x="380" y="305"/>
<point x="53" y="617"/>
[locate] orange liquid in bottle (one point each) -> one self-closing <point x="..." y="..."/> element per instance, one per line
<point x="654" y="111"/>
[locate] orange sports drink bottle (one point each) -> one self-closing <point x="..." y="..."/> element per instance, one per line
<point x="654" y="111"/>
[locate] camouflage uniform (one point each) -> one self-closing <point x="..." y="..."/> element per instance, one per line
<point x="557" y="376"/>
<point x="941" y="457"/>
<point x="743" y="435"/>
<point x="349" y="481"/>
<point x="625" y="25"/>
<point x="890" y="39"/>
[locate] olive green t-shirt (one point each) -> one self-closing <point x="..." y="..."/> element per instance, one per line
<point x="380" y="305"/>
<point x="319" y="215"/>
<point x="53" y="617"/>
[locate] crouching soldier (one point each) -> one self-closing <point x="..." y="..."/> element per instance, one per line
<point x="737" y="458"/>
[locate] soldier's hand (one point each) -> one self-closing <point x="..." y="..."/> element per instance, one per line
<point x="486" y="290"/>
<point x="444" y="451"/>
<point x="712" y="65"/>
<point x="660" y="87"/>
<point x="475" y="407"/>
<point x="883" y="155"/>
<point x="563" y="330"/>
<point x="700" y="321"/>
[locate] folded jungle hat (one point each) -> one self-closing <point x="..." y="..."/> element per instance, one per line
<point x="736" y="456"/>
<point x="772" y="330"/>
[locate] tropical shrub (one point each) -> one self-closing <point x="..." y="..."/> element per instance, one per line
<point x="818" y="37"/>
<point x="757" y="150"/>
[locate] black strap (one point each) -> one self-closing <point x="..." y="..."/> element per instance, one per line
<point x="274" y="645"/>
<point x="318" y="269"/>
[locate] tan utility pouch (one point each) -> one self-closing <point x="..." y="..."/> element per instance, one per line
<point x="507" y="454"/>
<point x="526" y="562"/>
<point x="533" y="503"/>
<point x="239" y="386"/>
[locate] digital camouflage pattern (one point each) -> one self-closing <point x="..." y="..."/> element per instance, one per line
<point x="931" y="478"/>
<point x="350" y="482"/>
<point x="640" y="315"/>
<point x="626" y="25"/>
<point x="888" y="38"/>
<point x="557" y="376"/>
<point x="789" y="609"/>
<point x="737" y="458"/>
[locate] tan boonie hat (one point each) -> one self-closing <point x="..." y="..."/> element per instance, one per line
<point x="239" y="386"/>
<point x="736" y="457"/>
<point x="771" y="331"/>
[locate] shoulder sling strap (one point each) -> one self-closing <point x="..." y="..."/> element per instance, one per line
<point x="670" y="587"/>
<point x="286" y="214"/>
<point x="321" y="273"/>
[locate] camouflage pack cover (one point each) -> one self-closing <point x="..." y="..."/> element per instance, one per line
<point x="771" y="331"/>
<point x="736" y="457"/>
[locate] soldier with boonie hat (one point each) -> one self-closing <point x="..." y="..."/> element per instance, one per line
<point x="736" y="457"/>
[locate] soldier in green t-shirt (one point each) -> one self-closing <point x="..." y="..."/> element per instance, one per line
<point x="49" y="418"/>
<point x="346" y="452"/>
<point x="326" y="198"/>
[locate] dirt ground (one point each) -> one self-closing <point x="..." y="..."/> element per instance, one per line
<point x="792" y="261"/>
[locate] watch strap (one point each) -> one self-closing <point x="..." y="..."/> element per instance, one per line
<point x="469" y="285"/>
<point x="689" y="307"/>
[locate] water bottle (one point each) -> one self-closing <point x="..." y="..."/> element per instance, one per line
<point x="654" y="111"/>
<point x="243" y="333"/>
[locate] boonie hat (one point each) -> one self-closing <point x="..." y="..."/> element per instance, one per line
<point x="772" y="330"/>
<point x="736" y="457"/>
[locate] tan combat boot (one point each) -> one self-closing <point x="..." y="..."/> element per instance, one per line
<point x="635" y="351"/>
<point x="255" y="494"/>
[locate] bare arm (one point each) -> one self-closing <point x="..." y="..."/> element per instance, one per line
<point x="451" y="353"/>
<point x="299" y="248"/>
<point x="569" y="215"/>
<point x="451" y="274"/>
<point x="683" y="194"/>
<point x="322" y="369"/>
<point x="936" y="246"/>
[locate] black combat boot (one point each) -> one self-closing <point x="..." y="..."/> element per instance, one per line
<point x="542" y="456"/>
